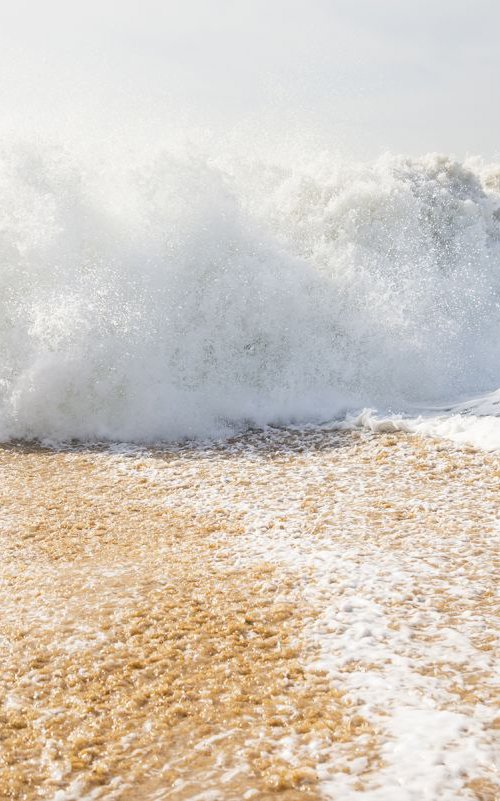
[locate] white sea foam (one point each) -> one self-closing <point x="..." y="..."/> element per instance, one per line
<point x="191" y="293"/>
<point x="475" y="430"/>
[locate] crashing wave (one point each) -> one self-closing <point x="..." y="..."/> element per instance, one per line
<point x="193" y="294"/>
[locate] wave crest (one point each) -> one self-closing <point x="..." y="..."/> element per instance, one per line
<point x="194" y="293"/>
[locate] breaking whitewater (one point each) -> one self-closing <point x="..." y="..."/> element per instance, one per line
<point x="197" y="294"/>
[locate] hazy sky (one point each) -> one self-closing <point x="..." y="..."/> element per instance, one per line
<point x="371" y="75"/>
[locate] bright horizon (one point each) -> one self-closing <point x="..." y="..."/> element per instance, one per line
<point x="356" y="76"/>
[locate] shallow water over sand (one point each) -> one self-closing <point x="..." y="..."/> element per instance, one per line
<point x="292" y="613"/>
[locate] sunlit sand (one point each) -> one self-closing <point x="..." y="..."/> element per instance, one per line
<point x="291" y="613"/>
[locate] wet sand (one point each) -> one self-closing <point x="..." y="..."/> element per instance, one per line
<point x="290" y="614"/>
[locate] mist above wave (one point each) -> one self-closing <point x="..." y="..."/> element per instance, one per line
<point x="192" y="292"/>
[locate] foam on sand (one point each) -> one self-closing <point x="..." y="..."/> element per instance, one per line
<point x="288" y="612"/>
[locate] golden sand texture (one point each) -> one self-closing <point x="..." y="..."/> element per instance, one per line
<point x="151" y="648"/>
<point x="134" y="657"/>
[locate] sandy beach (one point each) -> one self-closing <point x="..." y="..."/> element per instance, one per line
<point x="290" y="614"/>
<point x="249" y="400"/>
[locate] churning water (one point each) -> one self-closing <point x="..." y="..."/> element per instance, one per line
<point x="191" y="293"/>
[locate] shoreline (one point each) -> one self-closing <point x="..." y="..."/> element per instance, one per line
<point x="288" y="612"/>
